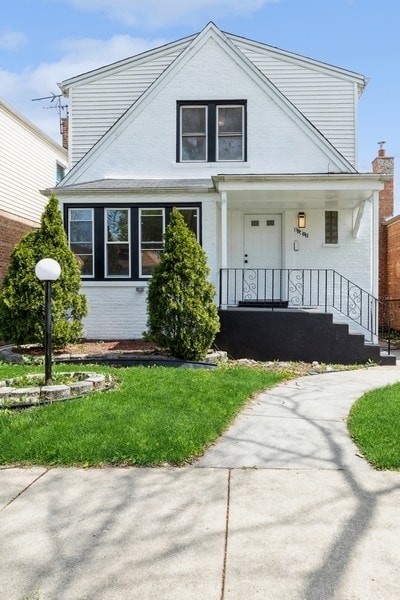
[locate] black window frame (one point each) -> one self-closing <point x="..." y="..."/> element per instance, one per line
<point x="211" y="130"/>
<point x="99" y="242"/>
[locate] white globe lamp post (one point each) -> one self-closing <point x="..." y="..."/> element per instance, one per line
<point x="47" y="270"/>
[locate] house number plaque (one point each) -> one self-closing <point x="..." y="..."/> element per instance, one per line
<point x="300" y="232"/>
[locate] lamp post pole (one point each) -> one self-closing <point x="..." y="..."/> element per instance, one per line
<point x="47" y="334"/>
<point x="48" y="270"/>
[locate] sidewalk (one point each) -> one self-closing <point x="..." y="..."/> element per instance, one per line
<point x="282" y="507"/>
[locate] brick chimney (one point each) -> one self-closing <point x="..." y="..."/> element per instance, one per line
<point x="384" y="165"/>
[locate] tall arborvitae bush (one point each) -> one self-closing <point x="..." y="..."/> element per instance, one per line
<point x="22" y="310"/>
<point x="182" y="316"/>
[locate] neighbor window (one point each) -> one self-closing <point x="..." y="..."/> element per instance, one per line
<point x="331" y="227"/>
<point x="211" y="131"/>
<point x="81" y="238"/>
<point x="60" y="172"/>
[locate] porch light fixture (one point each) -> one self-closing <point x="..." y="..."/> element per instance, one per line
<point x="301" y="220"/>
<point x="47" y="270"/>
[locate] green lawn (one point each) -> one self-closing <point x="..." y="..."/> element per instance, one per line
<point x="374" y="425"/>
<point x="155" y="415"/>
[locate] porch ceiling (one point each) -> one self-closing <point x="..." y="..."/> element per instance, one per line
<point x="298" y="191"/>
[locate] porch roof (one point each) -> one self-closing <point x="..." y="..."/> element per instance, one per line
<point x="333" y="189"/>
<point x="142" y="186"/>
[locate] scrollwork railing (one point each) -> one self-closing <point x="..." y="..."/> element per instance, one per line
<point x="324" y="289"/>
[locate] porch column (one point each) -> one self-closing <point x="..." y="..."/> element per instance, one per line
<point x="224" y="231"/>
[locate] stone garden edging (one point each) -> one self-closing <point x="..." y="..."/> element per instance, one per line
<point x="22" y="397"/>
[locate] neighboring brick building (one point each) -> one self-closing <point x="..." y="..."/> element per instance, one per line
<point x="30" y="161"/>
<point x="384" y="165"/>
<point x="393" y="258"/>
<point x="389" y="243"/>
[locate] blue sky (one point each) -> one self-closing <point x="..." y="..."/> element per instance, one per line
<point x="43" y="42"/>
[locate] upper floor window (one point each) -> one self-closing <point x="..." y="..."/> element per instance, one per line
<point x="211" y="131"/>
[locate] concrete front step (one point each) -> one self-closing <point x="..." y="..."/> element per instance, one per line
<point x="299" y="335"/>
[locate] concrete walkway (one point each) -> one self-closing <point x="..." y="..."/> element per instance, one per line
<point x="282" y="507"/>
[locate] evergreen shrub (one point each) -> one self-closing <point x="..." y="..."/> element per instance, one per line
<point x="22" y="309"/>
<point x="182" y="315"/>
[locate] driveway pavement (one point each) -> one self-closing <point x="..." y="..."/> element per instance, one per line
<point x="282" y="507"/>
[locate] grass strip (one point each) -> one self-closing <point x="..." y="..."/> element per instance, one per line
<point x="157" y="415"/>
<point x="374" y="425"/>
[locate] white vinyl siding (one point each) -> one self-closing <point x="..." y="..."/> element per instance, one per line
<point x="325" y="97"/>
<point x="28" y="164"/>
<point x="98" y="104"/>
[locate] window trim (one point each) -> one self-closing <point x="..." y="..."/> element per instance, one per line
<point x="108" y="243"/>
<point x="198" y="134"/>
<point x="212" y="136"/>
<point x="140" y="249"/>
<point x="60" y="172"/>
<point x="219" y="135"/>
<point x="99" y="234"/>
<point x="69" y="221"/>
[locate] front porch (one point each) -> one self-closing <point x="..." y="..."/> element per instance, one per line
<point x="298" y="314"/>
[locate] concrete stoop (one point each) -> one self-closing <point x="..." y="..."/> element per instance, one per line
<point x="293" y="335"/>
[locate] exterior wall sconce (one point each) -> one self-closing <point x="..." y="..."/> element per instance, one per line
<point x="301" y="220"/>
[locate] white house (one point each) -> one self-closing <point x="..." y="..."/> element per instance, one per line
<point x="30" y="161"/>
<point x="256" y="146"/>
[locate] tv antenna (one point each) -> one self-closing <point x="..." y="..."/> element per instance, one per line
<point x="55" y="102"/>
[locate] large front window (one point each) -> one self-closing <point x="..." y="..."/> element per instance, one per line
<point x="117" y="242"/>
<point x="151" y="238"/>
<point x="81" y="238"/>
<point x="211" y="131"/>
<point x="122" y="243"/>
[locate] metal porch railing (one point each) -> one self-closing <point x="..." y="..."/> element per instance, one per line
<point x="322" y="289"/>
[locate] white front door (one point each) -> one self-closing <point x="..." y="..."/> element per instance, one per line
<point x="262" y="253"/>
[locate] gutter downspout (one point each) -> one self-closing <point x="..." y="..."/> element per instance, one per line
<point x="224" y="231"/>
<point x="375" y="252"/>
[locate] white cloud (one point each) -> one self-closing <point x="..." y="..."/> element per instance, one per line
<point x="78" y="56"/>
<point x="156" y="14"/>
<point x="85" y="54"/>
<point x="12" y="40"/>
